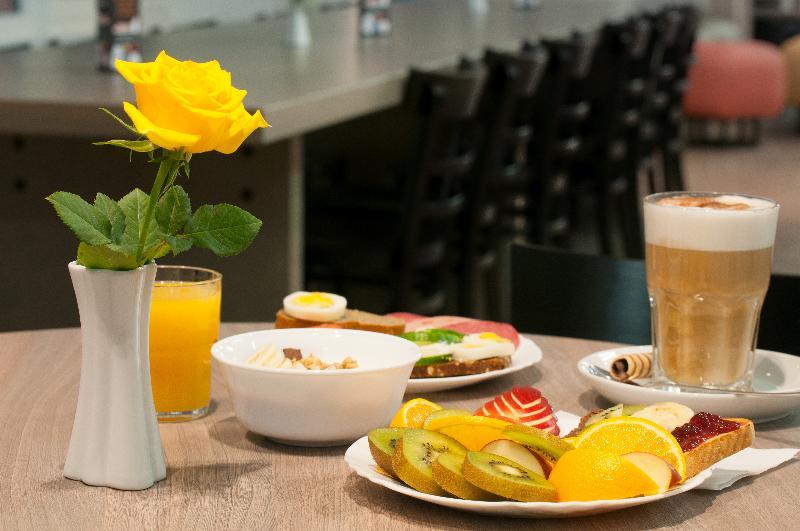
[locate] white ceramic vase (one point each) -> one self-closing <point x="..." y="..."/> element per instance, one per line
<point x="115" y="440"/>
<point x="298" y="34"/>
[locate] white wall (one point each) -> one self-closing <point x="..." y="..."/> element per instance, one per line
<point x="41" y="21"/>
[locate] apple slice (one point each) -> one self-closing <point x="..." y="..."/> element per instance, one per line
<point x="661" y="472"/>
<point x="524" y="405"/>
<point x="515" y="452"/>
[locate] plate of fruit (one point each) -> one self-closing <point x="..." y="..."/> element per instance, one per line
<point x="502" y="466"/>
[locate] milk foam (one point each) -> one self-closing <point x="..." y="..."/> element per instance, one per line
<point x="710" y="229"/>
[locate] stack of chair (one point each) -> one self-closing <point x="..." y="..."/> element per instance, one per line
<point x="396" y="240"/>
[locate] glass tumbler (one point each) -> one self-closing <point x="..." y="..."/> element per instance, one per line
<point x="184" y="323"/>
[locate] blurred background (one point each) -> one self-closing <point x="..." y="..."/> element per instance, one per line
<point x="411" y="141"/>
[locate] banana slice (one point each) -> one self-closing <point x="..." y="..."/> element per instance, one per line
<point x="668" y="415"/>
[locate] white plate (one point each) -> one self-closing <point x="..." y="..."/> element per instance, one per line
<point x="360" y="460"/>
<point x="774" y="372"/>
<point x="526" y="355"/>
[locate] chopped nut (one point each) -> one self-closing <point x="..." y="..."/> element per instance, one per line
<point x="293" y="353"/>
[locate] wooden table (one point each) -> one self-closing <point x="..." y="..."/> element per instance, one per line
<point x="221" y="476"/>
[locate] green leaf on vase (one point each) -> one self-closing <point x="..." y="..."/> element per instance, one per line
<point x="134" y="205"/>
<point x="102" y="257"/>
<point x="88" y="223"/>
<point x="173" y="210"/>
<point x="113" y="212"/>
<point x="223" y="229"/>
<point x="179" y="243"/>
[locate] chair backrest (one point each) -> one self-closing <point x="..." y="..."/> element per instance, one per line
<point x="559" y="115"/>
<point x="779" y="328"/>
<point x="561" y="293"/>
<point x="557" y="292"/>
<point x="502" y="167"/>
<point x="445" y="104"/>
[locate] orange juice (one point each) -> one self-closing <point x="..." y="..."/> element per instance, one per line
<point x="184" y="323"/>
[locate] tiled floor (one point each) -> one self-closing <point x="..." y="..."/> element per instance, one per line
<point x="771" y="169"/>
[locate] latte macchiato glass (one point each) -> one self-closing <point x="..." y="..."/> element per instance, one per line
<point x="708" y="259"/>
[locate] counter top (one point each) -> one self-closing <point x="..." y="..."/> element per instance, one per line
<point x="341" y="76"/>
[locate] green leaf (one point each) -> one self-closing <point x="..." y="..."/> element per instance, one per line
<point x="155" y="251"/>
<point x="173" y="210"/>
<point x="224" y="229"/>
<point x="179" y="244"/>
<point x="113" y="212"/>
<point x="134" y="205"/>
<point x="88" y="223"/>
<point x="142" y="146"/>
<point x="103" y="257"/>
<point x="121" y="121"/>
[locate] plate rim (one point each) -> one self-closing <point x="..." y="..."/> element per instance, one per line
<point x="581" y="364"/>
<point x="577" y="506"/>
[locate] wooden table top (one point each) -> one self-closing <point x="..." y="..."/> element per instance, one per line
<point x="57" y="91"/>
<point x="221" y="476"/>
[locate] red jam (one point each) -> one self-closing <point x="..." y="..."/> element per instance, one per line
<point x="700" y="428"/>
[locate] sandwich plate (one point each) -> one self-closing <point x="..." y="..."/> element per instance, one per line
<point x="361" y="462"/>
<point x="527" y="354"/>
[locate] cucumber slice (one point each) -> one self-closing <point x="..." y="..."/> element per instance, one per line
<point x="434" y="335"/>
<point x="430" y="360"/>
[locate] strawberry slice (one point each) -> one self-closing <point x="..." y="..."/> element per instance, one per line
<point x="523" y="405"/>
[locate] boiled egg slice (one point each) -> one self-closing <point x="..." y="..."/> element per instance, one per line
<point x="315" y="306"/>
<point x="436" y="349"/>
<point x="481" y="346"/>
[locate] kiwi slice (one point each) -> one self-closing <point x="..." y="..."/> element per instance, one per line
<point x="627" y="411"/>
<point x="382" y="442"/>
<point x="613" y="411"/>
<point x="548" y="446"/>
<point x="447" y="473"/>
<point x="414" y="453"/>
<point x="506" y="478"/>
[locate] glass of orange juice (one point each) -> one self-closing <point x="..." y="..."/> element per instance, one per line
<point x="184" y="323"/>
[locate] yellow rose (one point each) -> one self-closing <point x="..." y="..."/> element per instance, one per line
<point x="183" y="104"/>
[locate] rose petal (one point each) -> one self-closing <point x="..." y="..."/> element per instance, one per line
<point x="165" y="138"/>
<point x="241" y="130"/>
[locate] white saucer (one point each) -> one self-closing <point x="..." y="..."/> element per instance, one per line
<point x="360" y="460"/>
<point x="526" y="355"/>
<point x="774" y="373"/>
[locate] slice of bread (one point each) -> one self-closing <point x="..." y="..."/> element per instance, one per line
<point x="461" y="368"/>
<point x="352" y="319"/>
<point x="719" y="447"/>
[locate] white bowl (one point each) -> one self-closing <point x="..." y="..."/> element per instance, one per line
<point x="317" y="408"/>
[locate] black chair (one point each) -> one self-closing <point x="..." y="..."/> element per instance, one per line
<point x="501" y="180"/>
<point x="555" y="292"/>
<point x="779" y="328"/>
<point x="561" y="293"/>
<point x="605" y="173"/>
<point x="674" y="73"/>
<point x="400" y="240"/>
<point x="560" y="112"/>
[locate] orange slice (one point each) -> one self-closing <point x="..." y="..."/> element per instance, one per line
<point x="413" y="413"/>
<point x="473" y="436"/>
<point x="585" y="475"/>
<point x="622" y="435"/>
<point x="438" y="423"/>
